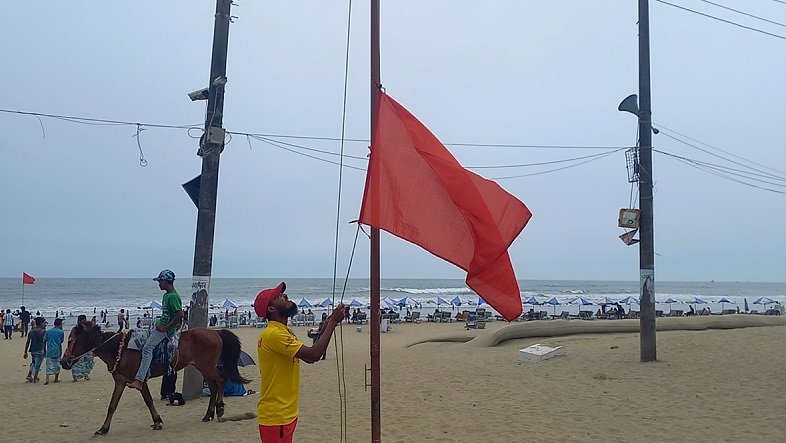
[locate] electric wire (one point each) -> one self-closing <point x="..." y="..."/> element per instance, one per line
<point x="722" y="20"/>
<point x="744" y="13"/>
<point x="721" y="150"/>
<point x="722" y="169"/>
<point x="722" y="175"/>
<point x="342" y="382"/>
<point x="606" y="154"/>
<point x="773" y="176"/>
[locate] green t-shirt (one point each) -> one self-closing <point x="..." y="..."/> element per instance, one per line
<point x="172" y="304"/>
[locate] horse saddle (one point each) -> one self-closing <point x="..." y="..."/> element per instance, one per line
<point x="163" y="353"/>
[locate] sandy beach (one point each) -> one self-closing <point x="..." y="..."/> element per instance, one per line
<point x="708" y="385"/>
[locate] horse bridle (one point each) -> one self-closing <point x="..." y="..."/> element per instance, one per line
<point x="99" y="345"/>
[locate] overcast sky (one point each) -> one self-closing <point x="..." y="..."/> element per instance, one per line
<point x="76" y="202"/>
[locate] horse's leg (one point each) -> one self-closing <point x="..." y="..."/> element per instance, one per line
<point x="157" y="422"/>
<point x="212" y="377"/>
<point x="220" y="399"/>
<point x="116" y="394"/>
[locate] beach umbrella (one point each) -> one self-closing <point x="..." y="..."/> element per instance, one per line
<point x="442" y="301"/>
<point x="532" y="301"/>
<point x="607" y="301"/>
<point x="723" y="302"/>
<point x="456" y="301"/>
<point x="481" y="301"/>
<point x="670" y="301"/>
<point x="580" y="301"/>
<point x="326" y="302"/>
<point x="244" y="359"/>
<point x="629" y="299"/>
<point x="355" y="303"/>
<point x="763" y="301"/>
<point x="697" y="300"/>
<point x="227" y="303"/>
<point x="390" y="305"/>
<point x="303" y="303"/>
<point x="152" y="304"/>
<point x="553" y="302"/>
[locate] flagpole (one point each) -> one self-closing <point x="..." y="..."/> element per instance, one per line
<point x="376" y="83"/>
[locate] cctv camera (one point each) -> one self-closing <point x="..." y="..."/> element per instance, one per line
<point x="199" y="94"/>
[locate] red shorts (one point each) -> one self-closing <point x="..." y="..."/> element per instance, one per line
<point x="277" y="433"/>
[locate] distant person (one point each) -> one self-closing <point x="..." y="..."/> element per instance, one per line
<point x="83" y="366"/>
<point x="121" y="319"/>
<point x="8" y="324"/>
<point x="279" y="353"/>
<point x="691" y="311"/>
<point x="168" y="324"/>
<point x="35" y="344"/>
<point x="53" y="349"/>
<point x="138" y="323"/>
<point x="24" y="316"/>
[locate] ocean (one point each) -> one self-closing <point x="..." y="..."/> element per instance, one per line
<point x="77" y="296"/>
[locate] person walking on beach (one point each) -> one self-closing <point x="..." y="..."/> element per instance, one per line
<point x="167" y="325"/>
<point x="53" y="349"/>
<point x="83" y="366"/>
<point x="121" y="320"/>
<point x="35" y="344"/>
<point x="279" y="353"/>
<point x="24" y="315"/>
<point x="8" y="325"/>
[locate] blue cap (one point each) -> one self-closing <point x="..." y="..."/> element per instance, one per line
<point x="166" y="274"/>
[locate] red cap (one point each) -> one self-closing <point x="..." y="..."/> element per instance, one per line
<point x="264" y="297"/>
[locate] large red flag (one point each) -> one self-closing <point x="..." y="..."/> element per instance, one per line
<point x="416" y="190"/>
<point x="27" y="279"/>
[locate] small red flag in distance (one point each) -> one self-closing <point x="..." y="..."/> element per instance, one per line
<point x="27" y="279"/>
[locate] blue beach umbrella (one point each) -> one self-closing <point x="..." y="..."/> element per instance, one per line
<point x="607" y="301"/>
<point x="670" y="301"/>
<point x="456" y="301"/>
<point x="326" y="302"/>
<point x="481" y="301"/>
<point x="532" y="301"/>
<point x="629" y="299"/>
<point x="303" y="303"/>
<point x="763" y="301"/>
<point x="442" y="301"/>
<point x="553" y="302"/>
<point x="152" y="304"/>
<point x="723" y="302"/>
<point x="697" y="300"/>
<point x="355" y="303"/>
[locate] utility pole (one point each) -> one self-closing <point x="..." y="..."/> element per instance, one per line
<point x="646" y="237"/>
<point x="211" y="145"/>
<point x="376" y="82"/>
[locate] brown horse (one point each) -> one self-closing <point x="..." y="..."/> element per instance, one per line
<point x="201" y="347"/>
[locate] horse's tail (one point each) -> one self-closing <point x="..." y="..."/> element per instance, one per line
<point x="230" y="352"/>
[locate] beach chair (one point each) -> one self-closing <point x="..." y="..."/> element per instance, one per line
<point x="543" y="315"/>
<point x="414" y="317"/>
<point x="299" y="320"/>
<point x="311" y="319"/>
<point x="658" y="313"/>
<point x="446" y="317"/>
<point x="471" y="321"/>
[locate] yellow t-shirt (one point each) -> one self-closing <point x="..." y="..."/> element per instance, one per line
<point x="279" y="374"/>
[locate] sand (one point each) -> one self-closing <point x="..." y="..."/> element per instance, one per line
<point x="707" y="385"/>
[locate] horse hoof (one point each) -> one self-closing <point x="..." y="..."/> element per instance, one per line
<point x="101" y="432"/>
<point x="207" y="418"/>
<point x="157" y="426"/>
<point x="220" y="411"/>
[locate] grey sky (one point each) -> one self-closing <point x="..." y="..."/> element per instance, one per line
<point x="77" y="204"/>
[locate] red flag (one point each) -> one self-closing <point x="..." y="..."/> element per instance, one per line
<point x="27" y="279"/>
<point x="416" y="190"/>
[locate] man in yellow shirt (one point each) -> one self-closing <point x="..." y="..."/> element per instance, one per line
<point x="279" y="353"/>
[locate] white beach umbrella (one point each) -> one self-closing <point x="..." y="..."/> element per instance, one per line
<point x="763" y="301"/>
<point x="228" y="303"/>
<point x="723" y="302"/>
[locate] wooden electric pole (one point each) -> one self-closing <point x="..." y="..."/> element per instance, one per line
<point x="646" y="237"/>
<point x="211" y="145"/>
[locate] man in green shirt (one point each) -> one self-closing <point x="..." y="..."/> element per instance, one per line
<point x="168" y="324"/>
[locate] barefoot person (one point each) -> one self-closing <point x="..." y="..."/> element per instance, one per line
<point x="35" y="344"/>
<point x="279" y="354"/>
<point x="168" y="324"/>
<point x="53" y="349"/>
